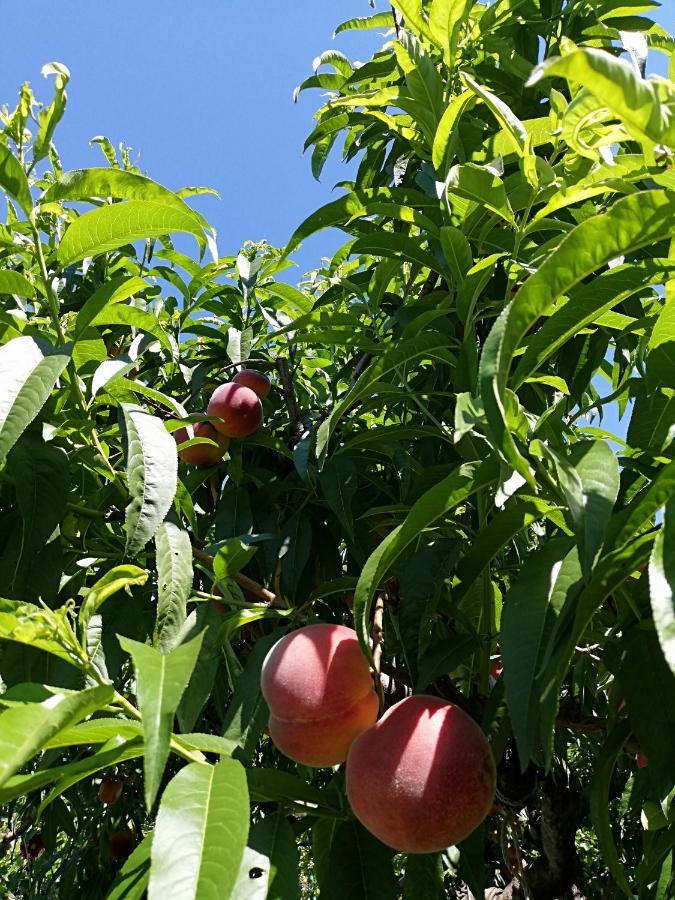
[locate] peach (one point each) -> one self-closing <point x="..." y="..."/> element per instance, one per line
<point x="110" y="790"/>
<point x="423" y="777"/>
<point x="238" y="409"/>
<point x="202" y="455"/>
<point x="252" y="378"/>
<point x="320" y="693"/>
<point x="642" y="761"/>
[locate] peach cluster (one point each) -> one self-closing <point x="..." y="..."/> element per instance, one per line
<point x="237" y="410"/>
<point x="420" y="779"/>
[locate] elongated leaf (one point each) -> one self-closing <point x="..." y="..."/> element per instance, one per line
<point x="115" y="225"/>
<point x="174" y="582"/>
<point x="83" y="184"/>
<point x="631" y="223"/>
<point x="447" y="129"/>
<point x="431" y="345"/>
<point x="505" y="116"/>
<point x="15" y="283"/>
<point x="113" y="581"/>
<point x="662" y="585"/>
<point x="423" y="877"/>
<point x="361" y="23"/>
<point x="201" y="833"/>
<point x="13" y="179"/>
<point x="29" y="369"/>
<point x="640" y="104"/>
<point x="152" y="469"/>
<point x="114" y="291"/>
<point x="481" y="186"/>
<point x="161" y="679"/>
<point x="445" y="20"/>
<point x="358" y="866"/>
<point x="526" y="621"/>
<point x="50" y="116"/>
<point x="24" y="730"/>
<point x="272" y="868"/>
<point x="441" y="498"/>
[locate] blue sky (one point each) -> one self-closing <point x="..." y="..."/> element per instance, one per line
<point x="203" y="91"/>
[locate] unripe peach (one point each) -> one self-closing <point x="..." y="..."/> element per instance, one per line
<point x="318" y="687"/>
<point x="202" y="455"/>
<point x="238" y="409"/>
<point x="423" y="777"/>
<point x="252" y="378"/>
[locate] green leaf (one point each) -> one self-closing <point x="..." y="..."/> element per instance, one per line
<point x="13" y="179"/>
<point x="200" y="834"/>
<point x="482" y="186"/>
<point x="503" y="113"/>
<point x="529" y="606"/>
<point x="115" y="225"/>
<point x="120" y="184"/>
<point x="445" y="20"/>
<point x="113" y="581"/>
<point x="132" y="880"/>
<point x="600" y="803"/>
<point x="50" y="116"/>
<point x="161" y="679"/>
<point x="447" y="131"/>
<point x="397" y="246"/>
<point x="431" y="346"/>
<point x="15" y="283"/>
<point x="113" y="291"/>
<point x="174" y="582"/>
<point x="29" y="369"/>
<point x="598" y="471"/>
<point x="296" y="546"/>
<point x="152" y="470"/>
<point x="24" y="730"/>
<point x="361" y="23"/>
<point x="457" y="252"/>
<point x="232" y="557"/>
<point x="662" y="584"/>
<point x="629" y="224"/>
<point x="647" y="108"/>
<point x="358" y="866"/>
<point x="270" y="865"/>
<point x="339" y="483"/>
<point x="423" y="878"/>
<point x="437" y="501"/>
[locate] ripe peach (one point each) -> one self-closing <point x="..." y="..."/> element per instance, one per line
<point x="121" y="844"/>
<point x="642" y="761"/>
<point x="238" y="408"/>
<point x="318" y="687"/>
<point x="423" y="777"/>
<point x="251" y="378"/>
<point x="110" y="790"/>
<point x="202" y="455"/>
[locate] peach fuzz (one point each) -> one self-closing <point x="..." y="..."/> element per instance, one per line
<point x="423" y="777"/>
<point x="238" y="409"/>
<point x="320" y="693"/>
<point x="202" y="455"/>
<point x="252" y="378"/>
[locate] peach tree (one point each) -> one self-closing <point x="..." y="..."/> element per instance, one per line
<point x="434" y="470"/>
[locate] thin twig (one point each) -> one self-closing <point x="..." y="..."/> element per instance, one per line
<point x="244" y="581"/>
<point x="288" y="393"/>
<point x="377" y="635"/>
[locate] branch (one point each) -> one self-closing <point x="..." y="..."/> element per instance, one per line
<point x="377" y="635"/>
<point x="244" y="581"/>
<point x="288" y="393"/>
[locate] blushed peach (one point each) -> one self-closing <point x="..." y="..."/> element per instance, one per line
<point x="238" y="409"/>
<point x="252" y="378"/>
<point x="318" y="687"/>
<point x="423" y="777"/>
<point x="202" y="455"/>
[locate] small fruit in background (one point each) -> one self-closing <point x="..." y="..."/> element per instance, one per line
<point x="256" y="381"/>
<point x="237" y="408"/>
<point x="110" y="790"/>
<point x="121" y="844"/>
<point x="642" y="761"/>
<point x="33" y="847"/>
<point x="318" y="687"/>
<point x="202" y="455"/>
<point x="423" y="777"/>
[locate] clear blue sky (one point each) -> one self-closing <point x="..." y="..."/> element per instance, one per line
<point x="203" y="91"/>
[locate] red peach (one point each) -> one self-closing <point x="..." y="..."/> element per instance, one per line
<point x="251" y="378"/>
<point x="423" y="777"/>
<point x="121" y="844"/>
<point x="110" y="790"/>
<point x="642" y="761"/>
<point x="238" y="409"/>
<point x="32" y="848"/>
<point x="202" y="455"/>
<point x="318" y="687"/>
